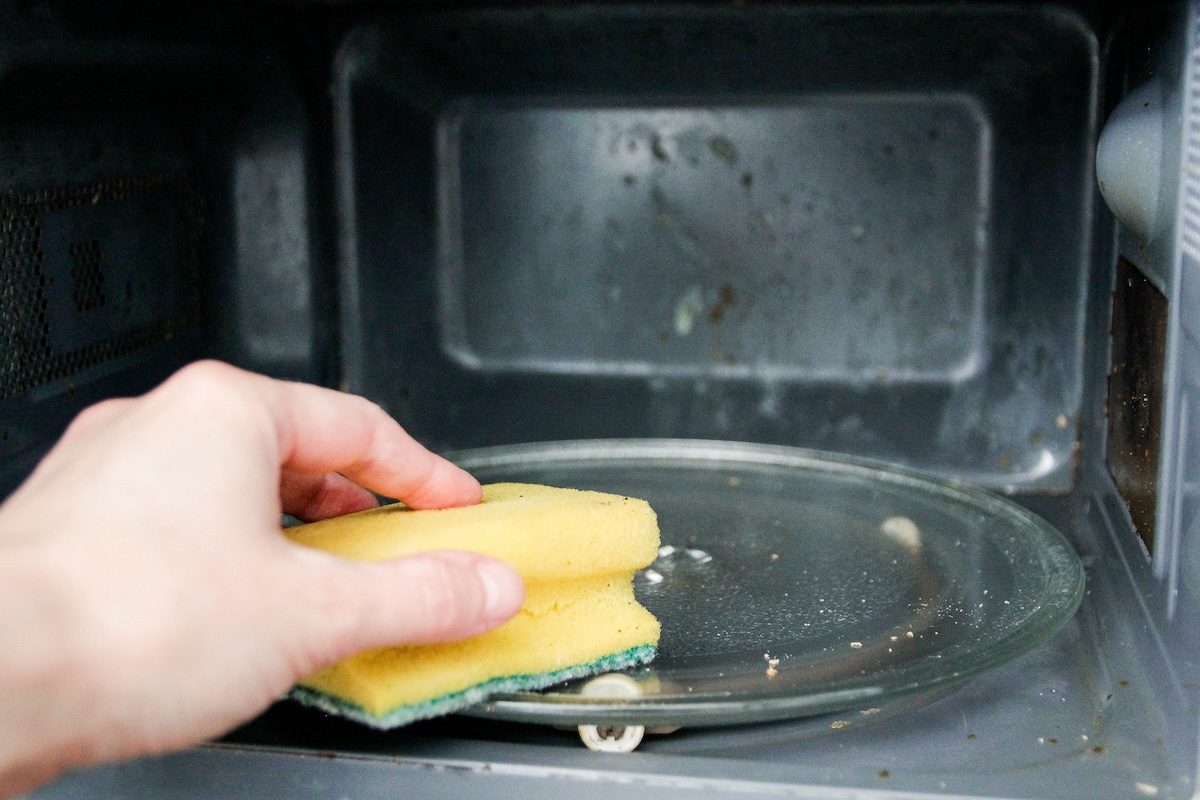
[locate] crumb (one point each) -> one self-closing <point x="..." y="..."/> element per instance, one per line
<point x="774" y="556"/>
<point x="772" y="663"/>
<point x="838" y="724"/>
<point x="856" y="645"/>
<point x="902" y="530"/>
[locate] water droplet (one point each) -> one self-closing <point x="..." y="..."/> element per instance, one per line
<point x="650" y="576"/>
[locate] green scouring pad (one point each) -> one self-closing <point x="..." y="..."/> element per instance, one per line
<point x="457" y="701"/>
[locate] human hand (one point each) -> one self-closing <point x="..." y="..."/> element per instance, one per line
<point x="148" y="600"/>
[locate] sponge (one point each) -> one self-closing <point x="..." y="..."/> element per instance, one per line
<point x="577" y="552"/>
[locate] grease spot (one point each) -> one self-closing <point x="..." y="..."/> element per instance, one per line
<point x="723" y="149"/>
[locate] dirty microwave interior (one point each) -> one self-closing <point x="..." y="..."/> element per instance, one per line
<point x="739" y="255"/>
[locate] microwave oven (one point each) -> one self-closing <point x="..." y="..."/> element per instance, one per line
<point x="960" y="238"/>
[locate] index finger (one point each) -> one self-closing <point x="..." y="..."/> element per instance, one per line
<point x="320" y="430"/>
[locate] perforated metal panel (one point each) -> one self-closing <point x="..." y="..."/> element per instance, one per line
<point x="93" y="272"/>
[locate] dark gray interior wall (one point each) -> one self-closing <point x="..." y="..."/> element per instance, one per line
<point x="156" y="206"/>
<point x="859" y="230"/>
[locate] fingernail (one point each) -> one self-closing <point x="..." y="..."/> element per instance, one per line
<point x="503" y="590"/>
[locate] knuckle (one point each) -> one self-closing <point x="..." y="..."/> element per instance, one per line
<point x="449" y="596"/>
<point x="93" y="418"/>
<point x="205" y="378"/>
<point x="214" y="390"/>
<point x="94" y="414"/>
<point x="353" y="606"/>
<point x="370" y="419"/>
<point x="375" y="409"/>
<point x="419" y="483"/>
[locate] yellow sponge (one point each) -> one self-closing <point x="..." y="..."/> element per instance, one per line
<point x="576" y="551"/>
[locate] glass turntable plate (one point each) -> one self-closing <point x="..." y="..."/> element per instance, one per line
<point x="793" y="583"/>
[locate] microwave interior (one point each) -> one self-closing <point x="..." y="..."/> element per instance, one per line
<point x="868" y="229"/>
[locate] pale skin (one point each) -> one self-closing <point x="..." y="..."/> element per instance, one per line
<point x="148" y="599"/>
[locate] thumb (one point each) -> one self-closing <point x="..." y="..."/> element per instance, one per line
<point x="440" y="596"/>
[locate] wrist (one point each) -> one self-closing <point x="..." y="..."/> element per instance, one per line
<point x="38" y="738"/>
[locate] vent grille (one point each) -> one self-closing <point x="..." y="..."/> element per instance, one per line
<point x="95" y="272"/>
<point x="87" y="276"/>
